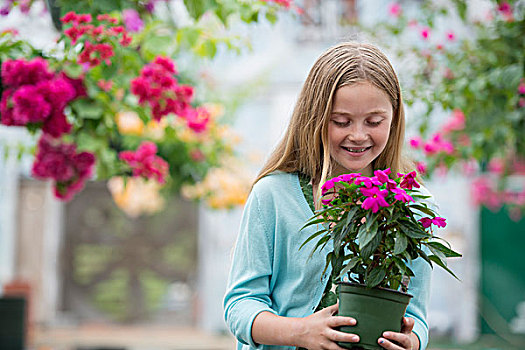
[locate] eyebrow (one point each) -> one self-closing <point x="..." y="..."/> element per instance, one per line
<point x="375" y="111"/>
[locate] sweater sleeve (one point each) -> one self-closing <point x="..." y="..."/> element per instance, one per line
<point x="420" y="286"/>
<point x="248" y="289"/>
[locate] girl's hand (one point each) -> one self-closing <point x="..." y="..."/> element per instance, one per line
<point x="318" y="333"/>
<point x="404" y="340"/>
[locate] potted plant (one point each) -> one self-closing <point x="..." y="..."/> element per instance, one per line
<point x="377" y="226"/>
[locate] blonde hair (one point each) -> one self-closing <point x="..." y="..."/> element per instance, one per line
<point x="304" y="147"/>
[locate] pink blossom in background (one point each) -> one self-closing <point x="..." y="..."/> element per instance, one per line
<point x="439" y="47"/>
<point x="464" y="140"/>
<point x="518" y="166"/>
<point x="375" y="199"/>
<point x="416" y="142"/>
<point x="521" y="102"/>
<point x="132" y="20"/>
<point x="430" y="148"/>
<point x="197" y="155"/>
<point x="107" y="18"/>
<point x="470" y="167"/>
<point x="521" y="87"/>
<point x="198" y="119"/>
<point x="61" y="163"/>
<point x="284" y="3"/>
<point x="105" y="85"/>
<point x="496" y="166"/>
<point x="413" y="23"/>
<point x="394" y="9"/>
<point x="425" y="32"/>
<point x="144" y="162"/>
<point x="455" y="122"/>
<point x="29" y="106"/>
<point x="451" y="36"/>
<point x="482" y="193"/>
<point x="505" y="8"/>
<point x="16" y="73"/>
<point x="448" y="74"/>
<point x="421" y="168"/>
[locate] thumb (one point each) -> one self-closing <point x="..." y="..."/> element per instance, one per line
<point x="408" y="325"/>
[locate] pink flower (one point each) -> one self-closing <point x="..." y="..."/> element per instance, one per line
<point x="29" y="106"/>
<point x="375" y="199"/>
<point x="409" y="181"/>
<point x="451" y="36"/>
<point x="439" y="221"/>
<point x="366" y="181"/>
<point x="60" y="162"/>
<point x="349" y="177"/>
<point x="328" y="185"/>
<point x="456" y="122"/>
<point x="144" y="162"/>
<point x="521" y="102"/>
<point x="425" y="33"/>
<point x="496" y="166"/>
<point x="421" y="168"/>
<point x="198" y="119"/>
<point x="16" y="73"/>
<point x="401" y="195"/>
<point x="416" y="142"/>
<point x="132" y="20"/>
<point x="382" y="175"/>
<point x="426" y="222"/>
<point x="394" y="9"/>
<point x="105" y="85"/>
<point x="57" y="124"/>
<point x="521" y="87"/>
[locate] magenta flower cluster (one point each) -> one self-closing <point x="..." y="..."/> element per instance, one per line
<point x="376" y="192"/>
<point x="64" y="165"/>
<point x="158" y="87"/>
<point x="35" y="95"/>
<point x="144" y="162"/>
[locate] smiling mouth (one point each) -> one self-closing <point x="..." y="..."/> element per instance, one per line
<point x="356" y="149"/>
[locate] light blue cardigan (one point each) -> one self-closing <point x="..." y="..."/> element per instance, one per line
<point x="269" y="273"/>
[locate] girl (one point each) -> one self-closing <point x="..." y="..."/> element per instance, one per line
<point x="348" y="118"/>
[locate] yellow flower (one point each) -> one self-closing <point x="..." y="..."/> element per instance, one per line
<point x="136" y="196"/>
<point x="129" y="123"/>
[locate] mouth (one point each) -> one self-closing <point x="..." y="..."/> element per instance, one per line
<point x="356" y="150"/>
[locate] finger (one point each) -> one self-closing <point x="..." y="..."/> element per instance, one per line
<point x="408" y="325"/>
<point x="338" y="321"/>
<point x="398" y="338"/>
<point x="332" y="309"/>
<point x="387" y="344"/>
<point x="337" y="336"/>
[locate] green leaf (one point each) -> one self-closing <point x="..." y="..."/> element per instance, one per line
<point x="196" y="8"/>
<point x="413" y="230"/>
<point x="312" y="237"/>
<point x="312" y="222"/>
<point x="366" y="234"/>
<point x="401" y="243"/>
<point x="449" y="253"/>
<point x="87" y="109"/>
<point x="349" y="266"/>
<point x="371" y="247"/>
<point x="375" y="277"/>
<point x="442" y="264"/>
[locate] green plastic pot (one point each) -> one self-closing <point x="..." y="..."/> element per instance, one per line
<point x="376" y="310"/>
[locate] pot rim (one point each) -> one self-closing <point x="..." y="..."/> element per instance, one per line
<point x="353" y="284"/>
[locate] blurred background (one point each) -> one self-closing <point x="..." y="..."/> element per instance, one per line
<point x="120" y="256"/>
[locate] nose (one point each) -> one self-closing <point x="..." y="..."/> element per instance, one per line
<point x="357" y="133"/>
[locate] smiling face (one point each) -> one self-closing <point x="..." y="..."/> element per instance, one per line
<point x="359" y="127"/>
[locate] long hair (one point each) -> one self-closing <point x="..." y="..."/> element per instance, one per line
<point x="304" y="147"/>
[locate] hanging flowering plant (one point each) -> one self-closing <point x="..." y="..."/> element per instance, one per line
<point x="377" y="226"/>
<point x="466" y="81"/>
<point x="105" y="102"/>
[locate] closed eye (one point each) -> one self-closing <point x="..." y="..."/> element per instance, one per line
<point x="374" y="123"/>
